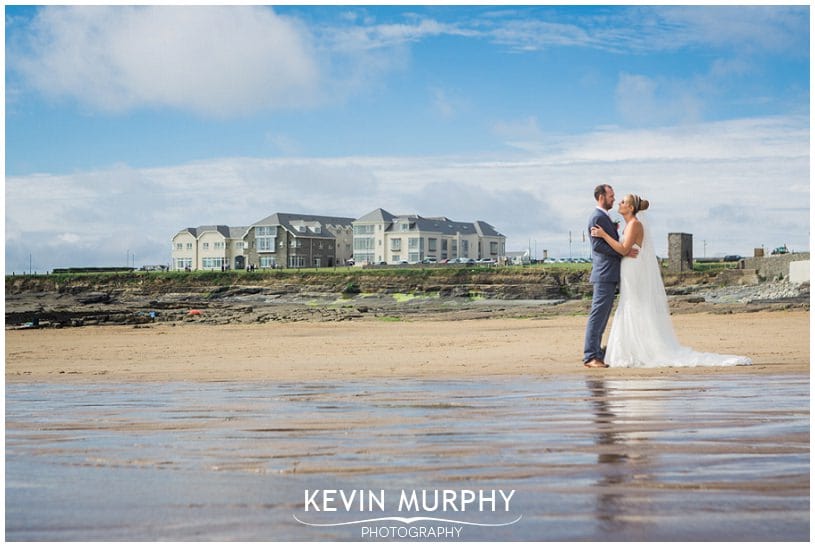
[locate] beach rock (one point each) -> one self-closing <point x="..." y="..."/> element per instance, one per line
<point x="94" y="298"/>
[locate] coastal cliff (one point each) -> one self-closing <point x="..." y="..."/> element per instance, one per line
<point x="137" y="298"/>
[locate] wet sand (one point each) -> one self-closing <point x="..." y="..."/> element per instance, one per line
<point x="201" y="432"/>
<point x="778" y="342"/>
<point x="722" y="457"/>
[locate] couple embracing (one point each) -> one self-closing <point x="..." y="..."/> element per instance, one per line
<point x="641" y="333"/>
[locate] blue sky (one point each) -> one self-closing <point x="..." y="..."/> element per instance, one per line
<point x="126" y="124"/>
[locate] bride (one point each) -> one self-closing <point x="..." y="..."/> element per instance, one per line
<point x="642" y="334"/>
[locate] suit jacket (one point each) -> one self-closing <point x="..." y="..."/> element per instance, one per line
<point x="605" y="261"/>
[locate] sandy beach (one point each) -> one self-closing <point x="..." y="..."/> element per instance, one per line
<point x="214" y="432"/>
<point x="778" y="342"/>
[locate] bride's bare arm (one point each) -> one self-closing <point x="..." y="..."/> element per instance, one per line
<point x="627" y="248"/>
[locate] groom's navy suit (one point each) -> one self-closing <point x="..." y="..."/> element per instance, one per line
<point x="605" y="275"/>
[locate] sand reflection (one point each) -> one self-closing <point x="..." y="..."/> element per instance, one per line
<point x="623" y="460"/>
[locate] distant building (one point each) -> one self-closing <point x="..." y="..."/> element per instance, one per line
<point x="214" y="247"/>
<point x="298" y="241"/>
<point x="680" y="252"/>
<point x="285" y="240"/>
<point x="518" y="258"/>
<point x="381" y="237"/>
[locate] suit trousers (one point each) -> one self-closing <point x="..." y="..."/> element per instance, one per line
<point x="602" y="301"/>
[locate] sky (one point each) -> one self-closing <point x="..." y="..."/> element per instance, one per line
<point x="125" y="124"/>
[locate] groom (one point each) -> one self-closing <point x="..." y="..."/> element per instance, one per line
<point x="605" y="275"/>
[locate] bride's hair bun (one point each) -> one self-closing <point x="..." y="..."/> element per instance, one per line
<point x="637" y="202"/>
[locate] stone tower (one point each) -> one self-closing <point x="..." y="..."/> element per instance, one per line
<point x="680" y="252"/>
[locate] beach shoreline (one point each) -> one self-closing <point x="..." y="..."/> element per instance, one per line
<point x="423" y="348"/>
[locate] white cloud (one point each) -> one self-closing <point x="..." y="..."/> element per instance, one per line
<point x="737" y="185"/>
<point x="533" y="35"/>
<point x="518" y="130"/>
<point x="237" y="60"/>
<point x="741" y="28"/>
<point x="654" y="28"/>
<point x="216" y="61"/>
<point x="642" y="100"/>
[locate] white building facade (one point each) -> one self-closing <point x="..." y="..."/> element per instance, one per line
<point x="215" y="247"/>
<point x="284" y="240"/>
<point x="383" y="238"/>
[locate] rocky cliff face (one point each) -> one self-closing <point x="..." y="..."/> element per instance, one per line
<point x="221" y="297"/>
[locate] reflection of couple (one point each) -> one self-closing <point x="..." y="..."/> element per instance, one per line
<point x="641" y="333"/>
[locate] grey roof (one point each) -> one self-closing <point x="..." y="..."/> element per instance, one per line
<point x="377" y="215"/>
<point x="486" y="229"/>
<point x="236" y="232"/>
<point x="440" y="225"/>
<point x="286" y="219"/>
<point x="229" y="232"/>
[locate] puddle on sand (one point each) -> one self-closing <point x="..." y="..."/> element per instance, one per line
<point x="716" y="458"/>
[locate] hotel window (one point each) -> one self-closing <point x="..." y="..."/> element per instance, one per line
<point x="413" y="242"/>
<point x="465" y="248"/>
<point x="363" y="243"/>
<point x="206" y="246"/>
<point x="189" y="246"/>
<point x="219" y="244"/>
<point x="493" y="247"/>
<point x="179" y="246"/>
<point x="266" y="244"/>
<point x="267" y="262"/>
<point x="396" y="258"/>
<point x="240" y="245"/>
<point x="396" y="244"/>
<point x="297" y="261"/>
<point x="265" y="238"/>
<point x="431" y="245"/>
<point x="363" y="229"/>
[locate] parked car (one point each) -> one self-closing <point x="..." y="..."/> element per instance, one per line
<point x="429" y="260"/>
<point x="732" y="258"/>
<point x="486" y="261"/>
<point x="465" y="260"/>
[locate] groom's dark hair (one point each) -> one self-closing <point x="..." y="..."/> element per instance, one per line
<point x="600" y="191"/>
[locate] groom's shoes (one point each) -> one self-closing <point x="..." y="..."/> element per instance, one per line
<point x="595" y="363"/>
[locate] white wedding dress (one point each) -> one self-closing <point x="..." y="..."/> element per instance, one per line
<point x="641" y="333"/>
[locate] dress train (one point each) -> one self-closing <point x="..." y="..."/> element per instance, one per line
<point x="641" y="332"/>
